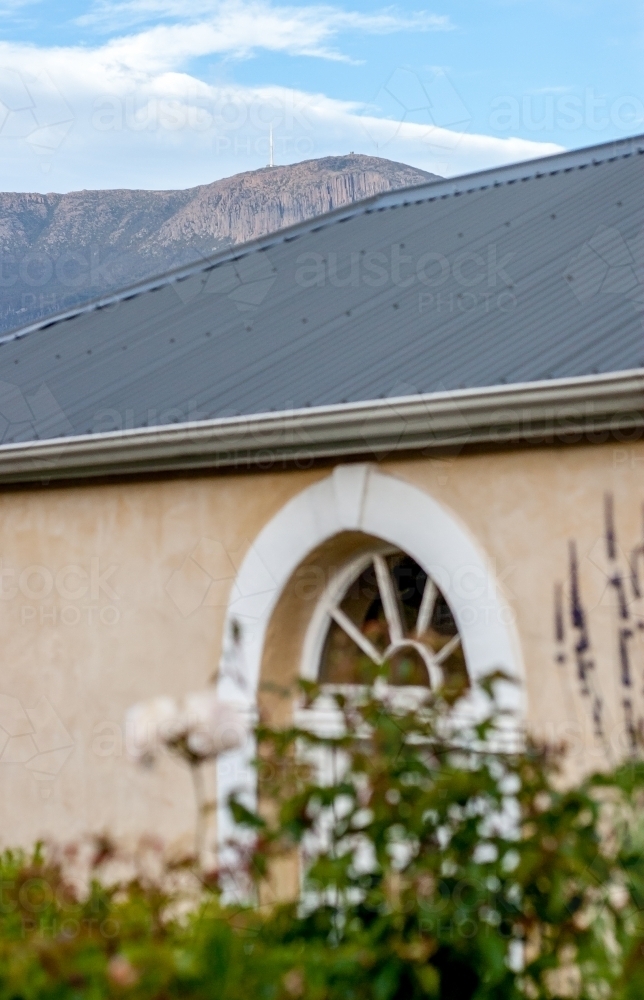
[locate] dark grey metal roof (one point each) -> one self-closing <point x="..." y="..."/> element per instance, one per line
<point x="521" y="274"/>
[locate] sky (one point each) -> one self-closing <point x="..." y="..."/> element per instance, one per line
<point x="174" y="93"/>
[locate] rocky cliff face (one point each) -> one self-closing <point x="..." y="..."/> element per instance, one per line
<point x="57" y="250"/>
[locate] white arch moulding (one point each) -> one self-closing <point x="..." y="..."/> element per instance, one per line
<point x="358" y="497"/>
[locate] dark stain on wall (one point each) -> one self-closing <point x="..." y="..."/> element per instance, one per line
<point x="627" y="587"/>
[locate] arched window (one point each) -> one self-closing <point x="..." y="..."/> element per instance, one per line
<point x="425" y="555"/>
<point x="385" y="610"/>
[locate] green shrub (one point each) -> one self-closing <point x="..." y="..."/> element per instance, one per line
<point x="438" y="861"/>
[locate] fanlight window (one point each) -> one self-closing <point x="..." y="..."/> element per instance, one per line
<point x="392" y="613"/>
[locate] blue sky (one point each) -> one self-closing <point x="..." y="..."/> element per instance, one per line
<point x="172" y="93"/>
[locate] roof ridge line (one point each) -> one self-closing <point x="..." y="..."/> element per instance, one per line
<point x="433" y="190"/>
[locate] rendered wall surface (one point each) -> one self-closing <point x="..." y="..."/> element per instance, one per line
<point x="115" y="593"/>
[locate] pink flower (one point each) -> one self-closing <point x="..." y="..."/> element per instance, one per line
<point x="121" y="972"/>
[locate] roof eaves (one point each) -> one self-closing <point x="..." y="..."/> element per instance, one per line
<point x="592" y="409"/>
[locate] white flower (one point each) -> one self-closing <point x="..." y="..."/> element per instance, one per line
<point x="147" y="725"/>
<point x="212" y="726"/>
<point x="618" y="896"/>
<point x="203" y="728"/>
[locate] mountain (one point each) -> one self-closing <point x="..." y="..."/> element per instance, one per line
<point x="57" y="250"/>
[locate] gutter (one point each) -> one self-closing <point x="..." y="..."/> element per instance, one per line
<point x="593" y="409"/>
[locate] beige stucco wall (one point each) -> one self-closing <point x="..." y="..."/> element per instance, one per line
<point x="141" y="616"/>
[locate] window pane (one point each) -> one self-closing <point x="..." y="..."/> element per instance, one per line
<point x="344" y="662"/>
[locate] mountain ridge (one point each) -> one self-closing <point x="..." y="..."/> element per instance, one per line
<point x="58" y="250"/>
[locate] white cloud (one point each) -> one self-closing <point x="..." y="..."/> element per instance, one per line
<point x="9" y="7"/>
<point x="139" y="118"/>
<point x="240" y="27"/>
<point x="232" y="27"/>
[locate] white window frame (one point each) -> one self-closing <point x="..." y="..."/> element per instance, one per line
<point x="359" y="497"/>
<point x="329" y="610"/>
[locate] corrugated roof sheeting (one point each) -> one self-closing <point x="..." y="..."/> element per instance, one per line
<point x="518" y="279"/>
